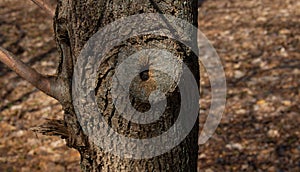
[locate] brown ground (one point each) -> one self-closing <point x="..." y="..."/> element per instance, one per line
<point x="259" y="43"/>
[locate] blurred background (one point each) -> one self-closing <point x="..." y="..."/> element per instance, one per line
<point x="259" y="44"/>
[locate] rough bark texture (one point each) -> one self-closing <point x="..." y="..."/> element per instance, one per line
<point x="74" y="23"/>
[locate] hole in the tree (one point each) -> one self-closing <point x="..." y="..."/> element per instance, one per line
<point x="144" y="75"/>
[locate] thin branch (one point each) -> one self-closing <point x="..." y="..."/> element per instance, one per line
<point x="44" y="83"/>
<point x="45" y="6"/>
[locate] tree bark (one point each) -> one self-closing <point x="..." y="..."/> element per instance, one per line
<point x="74" y="23"/>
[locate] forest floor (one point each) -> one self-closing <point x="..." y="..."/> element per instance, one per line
<point x="258" y="42"/>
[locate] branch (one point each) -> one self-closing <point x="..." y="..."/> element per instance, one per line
<point x="49" y="85"/>
<point x="45" y="6"/>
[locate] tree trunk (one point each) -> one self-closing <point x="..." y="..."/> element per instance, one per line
<point x="74" y="23"/>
